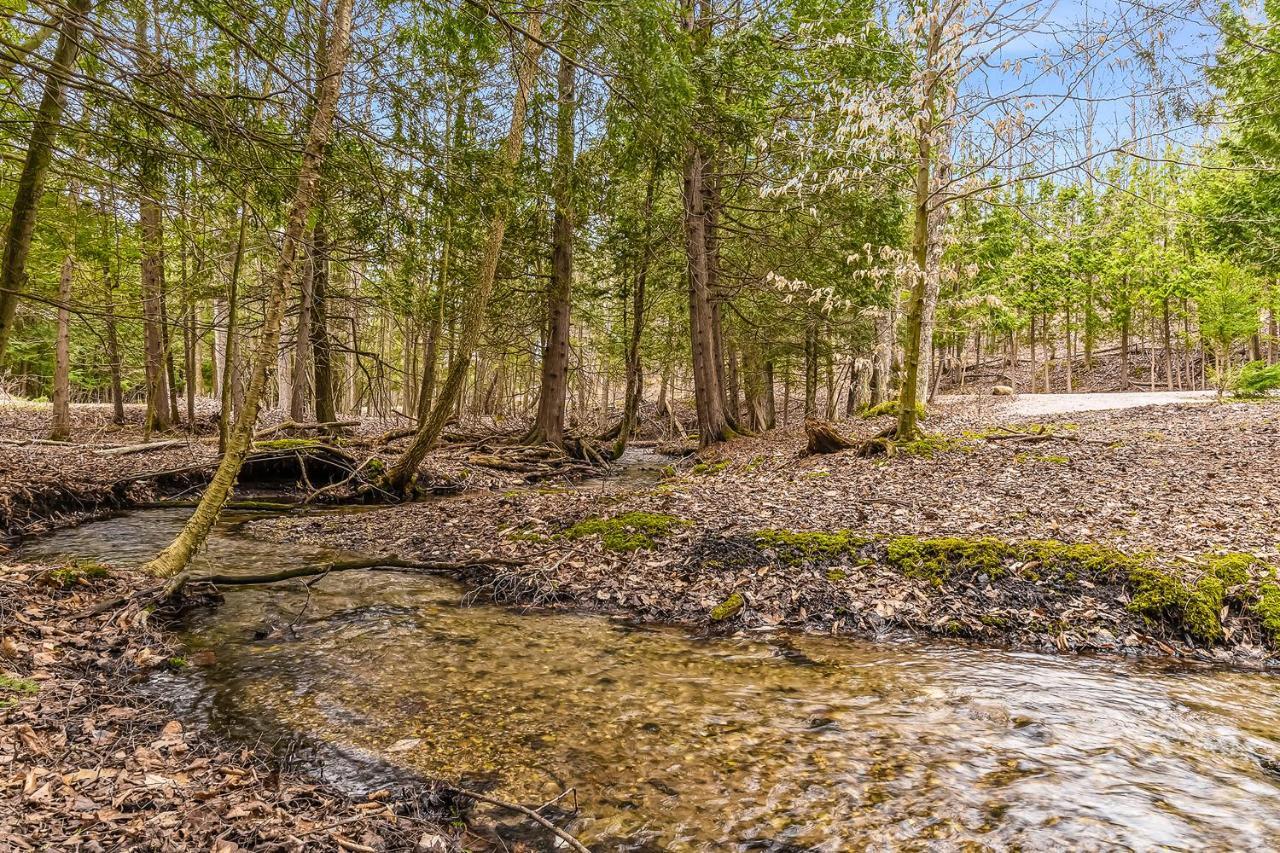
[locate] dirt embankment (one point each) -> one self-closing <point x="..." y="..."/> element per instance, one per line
<point x="1142" y="531"/>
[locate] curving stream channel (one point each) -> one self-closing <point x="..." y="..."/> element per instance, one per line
<point x="674" y="742"/>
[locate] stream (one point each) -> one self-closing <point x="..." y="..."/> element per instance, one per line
<point x="675" y="742"/>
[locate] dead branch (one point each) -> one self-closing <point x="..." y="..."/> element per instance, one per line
<point x="568" y="839"/>
<point x="146" y="447"/>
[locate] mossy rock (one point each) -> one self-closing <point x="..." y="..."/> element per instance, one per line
<point x="287" y="444"/>
<point x="728" y="608"/>
<point x="74" y="573"/>
<point x="13" y="688"/>
<point x="1198" y="605"/>
<point x="629" y="531"/>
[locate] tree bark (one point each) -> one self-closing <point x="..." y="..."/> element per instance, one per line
<point x="61" y="427"/>
<point x="635" y="372"/>
<point x="548" y="425"/>
<point x="173" y="561"/>
<point x="321" y="348"/>
<point x="302" y="338"/>
<point x="401" y="474"/>
<point x="35" y="167"/>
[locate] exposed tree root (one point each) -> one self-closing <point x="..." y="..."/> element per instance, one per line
<point x="823" y="438"/>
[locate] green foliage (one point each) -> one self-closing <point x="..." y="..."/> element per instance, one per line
<point x="1255" y="380"/>
<point x="629" y="531"/>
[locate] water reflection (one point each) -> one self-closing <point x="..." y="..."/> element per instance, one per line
<point x="685" y="744"/>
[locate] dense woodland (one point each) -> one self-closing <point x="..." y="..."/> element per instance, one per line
<point x="555" y="219"/>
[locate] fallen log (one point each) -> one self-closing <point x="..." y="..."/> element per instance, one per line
<point x="145" y="447"/>
<point x="823" y="438"/>
<point x="295" y="426"/>
<point x="388" y="564"/>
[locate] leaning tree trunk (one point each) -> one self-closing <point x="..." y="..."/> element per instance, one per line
<point x="35" y="168"/>
<point x="172" y="562"/>
<point x="401" y="474"/>
<point x="548" y="425"/>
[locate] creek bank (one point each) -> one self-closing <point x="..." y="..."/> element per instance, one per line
<point x="1177" y="487"/>
<point x="90" y="759"/>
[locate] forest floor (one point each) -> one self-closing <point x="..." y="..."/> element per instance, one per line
<point x="932" y="541"/>
<point x="91" y="760"/>
<point x="1088" y="531"/>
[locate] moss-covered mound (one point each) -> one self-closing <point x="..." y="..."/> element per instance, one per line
<point x="630" y="531"/>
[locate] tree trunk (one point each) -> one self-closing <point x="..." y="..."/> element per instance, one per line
<point x="402" y="472"/>
<point x="109" y="284"/>
<point x="810" y="371"/>
<point x="635" y="373"/>
<point x="548" y="424"/>
<point x="302" y="339"/>
<point x="172" y="562"/>
<point x="321" y="348"/>
<point x="229" y="383"/>
<point x="35" y="167"/>
<point x="61" y="428"/>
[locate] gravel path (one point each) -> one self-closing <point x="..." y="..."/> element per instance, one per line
<point x="1038" y="405"/>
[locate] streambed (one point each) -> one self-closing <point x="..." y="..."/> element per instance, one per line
<point x="674" y="742"/>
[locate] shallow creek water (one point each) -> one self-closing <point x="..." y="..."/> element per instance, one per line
<point x="761" y="743"/>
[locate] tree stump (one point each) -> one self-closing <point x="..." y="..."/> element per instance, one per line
<point x="823" y="438"/>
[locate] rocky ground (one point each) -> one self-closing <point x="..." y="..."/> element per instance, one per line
<point x="1160" y="493"/>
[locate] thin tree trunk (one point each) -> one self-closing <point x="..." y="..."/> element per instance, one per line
<point x="61" y="428"/>
<point x="109" y="284"/>
<point x="228" y="382"/>
<point x="172" y="562"/>
<point x="302" y="339"/>
<point x="548" y="424"/>
<point x="321" y="348"/>
<point x="635" y="373"/>
<point x="35" y="167"/>
<point x="402" y="472"/>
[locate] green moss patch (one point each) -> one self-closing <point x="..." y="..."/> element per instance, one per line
<point x="287" y="444"/>
<point x="1226" y="581"/>
<point x="891" y="408"/>
<point x="797" y="546"/>
<point x="13" y="688"/>
<point x="629" y="531"/>
<point x="728" y="608"/>
<point x="76" y="572"/>
<point x="705" y="469"/>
